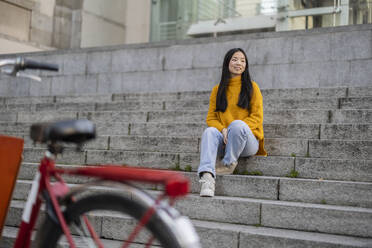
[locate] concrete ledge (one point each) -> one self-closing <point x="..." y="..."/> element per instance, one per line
<point x="337" y="169"/>
<point x="318" y="218"/>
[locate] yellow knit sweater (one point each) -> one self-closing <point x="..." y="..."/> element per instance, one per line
<point x="254" y="118"/>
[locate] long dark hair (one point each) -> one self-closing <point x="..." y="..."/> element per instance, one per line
<point x="246" y="88"/>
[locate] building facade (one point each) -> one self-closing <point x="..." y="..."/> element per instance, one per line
<point x="36" y="25"/>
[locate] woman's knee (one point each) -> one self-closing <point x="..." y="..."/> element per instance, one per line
<point x="238" y="127"/>
<point x="210" y="131"/>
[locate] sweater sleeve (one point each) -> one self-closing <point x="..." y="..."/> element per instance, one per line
<point x="212" y="117"/>
<point x="255" y="118"/>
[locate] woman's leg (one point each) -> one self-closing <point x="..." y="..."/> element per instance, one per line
<point x="211" y="145"/>
<point x="241" y="142"/>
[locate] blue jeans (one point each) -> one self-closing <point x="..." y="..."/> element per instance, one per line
<point x="240" y="142"/>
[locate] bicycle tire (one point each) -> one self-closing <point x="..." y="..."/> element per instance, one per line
<point x="50" y="232"/>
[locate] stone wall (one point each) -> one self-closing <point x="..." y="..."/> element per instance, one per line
<point x="328" y="57"/>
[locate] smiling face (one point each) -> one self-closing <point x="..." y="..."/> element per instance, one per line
<point x="237" y="64"/>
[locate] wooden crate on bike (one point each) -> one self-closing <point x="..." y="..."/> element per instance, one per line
<point x="10" y="160"/>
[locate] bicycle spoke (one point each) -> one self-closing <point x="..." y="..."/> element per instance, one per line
<point x="83" y="235"/>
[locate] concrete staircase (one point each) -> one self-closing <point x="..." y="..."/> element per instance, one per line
<point x="313" y="190"/>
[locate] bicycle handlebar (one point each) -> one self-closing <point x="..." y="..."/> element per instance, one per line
<point x="32" y="64"/>
<point x="19" y="64"/>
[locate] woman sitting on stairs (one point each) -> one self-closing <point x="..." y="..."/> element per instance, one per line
<point x="235" y="122"/>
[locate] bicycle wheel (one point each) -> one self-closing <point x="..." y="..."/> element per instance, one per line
<point x="110" y="215"/>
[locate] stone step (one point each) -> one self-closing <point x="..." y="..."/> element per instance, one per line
<point x="352" y="221"/>
<point x="337" y="169"/>
<point x="358" y="194"/>
<point x="315" y="148"/>
<point x="305" y="131"/>
<point x="298" y="116"/>
<point x="356" y="103"/>
<point x="10" y="234"/>
<point x="359" y="91"/>
<point x="201" y="105"/>
<point x="295" y="93"/>
<point x="223" y="235"/>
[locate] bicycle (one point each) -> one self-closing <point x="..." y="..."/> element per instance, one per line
<point x="68" y="208"/>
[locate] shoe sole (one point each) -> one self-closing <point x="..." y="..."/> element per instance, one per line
<point x="207" y="193"/>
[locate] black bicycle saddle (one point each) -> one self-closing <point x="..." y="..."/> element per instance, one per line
<point x="73" y="131"/>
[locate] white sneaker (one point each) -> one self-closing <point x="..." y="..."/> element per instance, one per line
<point x="207" y="185"/>
<point x="222" y="169"/>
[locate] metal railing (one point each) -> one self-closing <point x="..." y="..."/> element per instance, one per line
<point x="283" y="12"/>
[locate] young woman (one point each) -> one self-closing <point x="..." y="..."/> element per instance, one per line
<point x="234" y="120"/>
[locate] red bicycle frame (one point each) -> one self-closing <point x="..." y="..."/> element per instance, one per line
<point x="176" y="185"/>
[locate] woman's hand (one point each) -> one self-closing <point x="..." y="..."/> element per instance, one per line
<point x="224" y="133"/>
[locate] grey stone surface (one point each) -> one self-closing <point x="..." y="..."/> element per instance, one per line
<point x="72" y="85"/>
<point x="179" y="116"/>
<point x="41" y="88"/>
<point x="266" y="76"/>
<point x="300" y="93"/>
<point x="304" y="131"/>
<point x="312" y="48"/>
<point x="356" y="194"/>
<point x="220" y="209"/>
<point x="356" y="103"/>
<point x="112" y="128"/>
<point x="99" y="62"/>
<point x="75" y="63"/>
<point x="351" y="116"/>
<point x="167" y="129"/>
<point x="274" y="51"/>
<point x="360" y="91"/>
<point x="65" y="107"/>
<point x="313" y="75"/>
<point x="14" y="215"/>
<point x="340" y="149"/>
<point x="14" y="127"/>
<point x="119" y="227"/>
<point x="83" y="98"/>
<point x="21" y="190"/>
<point x="286" y="147"/>
<point x="346" y="47"/>
<point x="306" y="55"/>
<point x="109" y="83"/>
<point x="360" y="73"/>
<point x="153" y="96"/>
<point x="45" y="116"/>
<point x="296" y="116"/>
<point x="240" y="186"/>
<point x="247" y="186"/>
<point x="147" y="159"/>
<point x="130" y="60"/>
<point x="8" y="116"/>
<point x="69" y="156"/>
<point x="130" y="106"/>
<point x="187" y="105"/>
<point x="346" y="131"/>
<point x="280" y="238"/>
<point x="337" y="169"/>
<point x="268" y="166"/>
<point x="217" y="237"/>
<point x="114" y="116"/>
<point x="318" y="218"/>
<point x="207" y="55"/>
<point x="177" y="57"/>
<point x="154" y="144"/>
<point x="312" y="103"/>
<point x="29" y="100"/>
